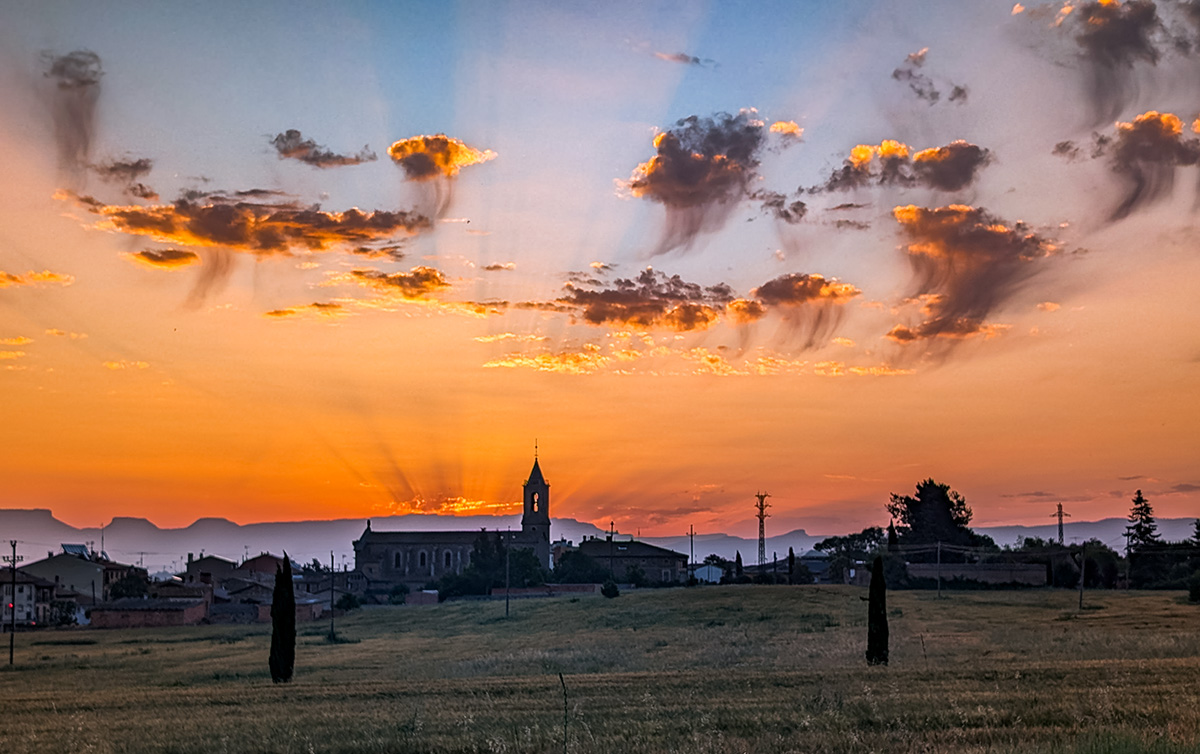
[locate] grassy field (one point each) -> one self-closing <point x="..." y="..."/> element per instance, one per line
<point x="718" y="669"/>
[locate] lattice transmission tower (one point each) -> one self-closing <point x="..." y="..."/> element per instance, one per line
<point x="762" y="529"/>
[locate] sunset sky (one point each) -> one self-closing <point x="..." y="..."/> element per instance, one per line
<point x="281" y="261"/>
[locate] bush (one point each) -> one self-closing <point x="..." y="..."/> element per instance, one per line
<point x="398" y="594"/>
<point x="348" y="602"/>
<point x="609" y="589"/>
<point x="1194" y="587"/>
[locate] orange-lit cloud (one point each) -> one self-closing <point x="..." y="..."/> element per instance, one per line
<point x="1145" y="153"/>
<point x="1049" y="306"/>
<point x="121" y="365"/>
<point x="798" y="289"/>
<point x="416" y="284"/>
<point x="425" y="157"/>
<point x="701" y="168"/>
<point x="652" y="300"/>
<point x="448" y="506"/>
<point x="64" y="334"/>
<point x="252" y="227"/>
<point x="291" y="145"/>
<point x="588" y="360"/>
<point x="839" y="369"/>
<point x="317" y="308"/>
<point x="19" y="340"/>
<point x="891" y="163"/>
<point x="743" y="311"/>
<point x="788" y="130"/>
<point x="164" y="259"/>
<point x="968" y="263"/>
<point x="9" y="355"/>
<point x="31" y="278"/>
<point x="508" y="336"/>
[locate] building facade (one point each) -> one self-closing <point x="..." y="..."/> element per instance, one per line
<point x="414" y="558"/>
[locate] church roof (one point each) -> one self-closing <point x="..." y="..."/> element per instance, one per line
<point x="535" y="476"/>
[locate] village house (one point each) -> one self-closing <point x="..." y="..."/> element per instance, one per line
<point x="133" y="612"/>
<point x="86" y="573"/>
<point x="622" y="556"/>
<point x="31" y="601"/>
<point x="207" y="569"/>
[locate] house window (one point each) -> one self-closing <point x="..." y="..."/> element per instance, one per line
<point x="398" y="561"/>
<point x="422" y="560"/>
<point x="447" y="559"/>
<point x="666" y="574"/>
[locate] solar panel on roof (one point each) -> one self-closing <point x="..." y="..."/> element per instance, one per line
<point x="80" y="550"/>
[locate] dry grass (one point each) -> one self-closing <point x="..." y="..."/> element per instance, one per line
<point x="722" y="669"/>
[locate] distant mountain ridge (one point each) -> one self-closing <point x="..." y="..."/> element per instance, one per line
<point x="137" y="540"/>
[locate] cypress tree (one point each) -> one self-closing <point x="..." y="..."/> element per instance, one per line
<point x="737" y="565"/>
<point x="791" y="565"/>
<point x="877" y="626"/>
<point x="282" y="660"/>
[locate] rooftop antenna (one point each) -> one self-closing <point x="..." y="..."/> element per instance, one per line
<point x="762" y="515"/>
<point x="1060" y="516"/>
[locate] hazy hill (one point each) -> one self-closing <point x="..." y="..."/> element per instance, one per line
<point x="135" y="540"/>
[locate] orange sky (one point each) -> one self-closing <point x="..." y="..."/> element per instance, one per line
<point x="504" y="300"/>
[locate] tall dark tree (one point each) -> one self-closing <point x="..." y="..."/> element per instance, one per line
<point x="877" y="624"/>
<point x="1195" y="541"/>
<point x="893" y="541"/>
<point x="935" y="514"/>
<point x="738" y="572"/>
<point x="282" y="660"/>
<point x="791" y="565"/>
<point x="1142" y="531"/>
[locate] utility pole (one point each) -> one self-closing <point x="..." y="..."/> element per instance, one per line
<point x="612" y="530"/>
<point x="12" y="602"/>
<point x="939" y="568"/>
<point x="332" y="635"/>
<point x="1060" y="516"/>
<point x="691" y="552"/>
<point x="1082" y="571"/>
<point x="762" y="531"/>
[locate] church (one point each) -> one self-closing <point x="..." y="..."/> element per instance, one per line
<point x="414" y="558"/>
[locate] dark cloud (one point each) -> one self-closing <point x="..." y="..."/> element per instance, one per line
<point x="124" y="171"/>
<point x="498" y="267"/>
<point x="652" y="300"/>
<point x="127" y="172"/>
<point x="851" y="225"/>
<point x="167" y="259"/>
<point x="968" y="263"/>
<point x="921" y="84"/>
<point x="743" y="311"/>
<point x="418" y="283"/>
<point x="291" y="145"/>
<point x="1038" y="494"/>
<point x="844" y="206"/>
<point x="1182" y="489"/>
<point x="1113" y="37"/>
<point x="76" y="78"/>
<point x="440" y="156"/>
<point x="1145" y="154"/>
<point x="892" y="163"/>
<point x="681" y="57"/>
<point x="1067" y="149"/>
<point x="790" y="211"/>
<point x="949" y="168"/>
<point x="432" y="162"/>
<point x="391" y="252"/>
<point x="326" y="309"/>
<point x="701" y="170"/>
<point x="254" y="227"/>
<point x="811" y="306"/>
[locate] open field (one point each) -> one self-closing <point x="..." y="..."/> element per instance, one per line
<point x="718" y="669"/>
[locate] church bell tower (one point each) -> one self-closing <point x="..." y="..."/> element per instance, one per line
<point x="535" y="523"/>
